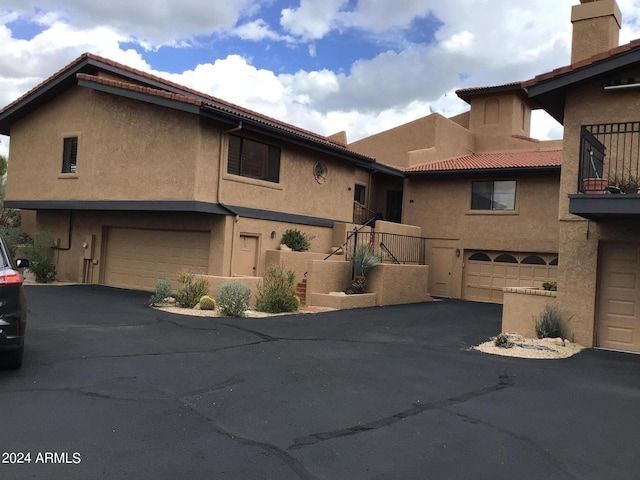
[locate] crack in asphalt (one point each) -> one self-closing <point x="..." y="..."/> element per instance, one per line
<point x="522" y="438"/>
<point x="152" y="354"/>
<point x="270" y="338"/>
<point x="417" y="408"/>
<point x="294" y="464"/>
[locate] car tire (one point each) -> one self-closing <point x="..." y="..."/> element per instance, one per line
<point x="13" y="360"/>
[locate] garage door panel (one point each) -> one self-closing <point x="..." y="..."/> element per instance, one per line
<point x="138" y="258"/>
<point x="618" y="316"/>
<point x="484" y="280"/>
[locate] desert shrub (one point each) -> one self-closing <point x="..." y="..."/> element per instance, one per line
<point x="207" y="303"/>
<point x="502" y="341"/>
<point x="39" y="253"/>
<point x="551" y="323"/>
<point x="233" y="299"/>
<point x="550" y="285"/>
<point x="296" y="240"/>
<point x="277" y="293"/>
<point x="14" y="237"/>
<point x="192" y="289"/>
<point x="362" y="259"/>
<point x="163" y="290"/>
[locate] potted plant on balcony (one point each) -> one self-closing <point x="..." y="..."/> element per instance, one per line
<point x="594" y="185"/>
<point x="362" y="259"/>
<point x="631" y="185"/>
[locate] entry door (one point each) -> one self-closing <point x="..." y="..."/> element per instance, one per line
<point x="440" y="271"/>
<point x="247" y="256"/>
<point x="394" y="206"/>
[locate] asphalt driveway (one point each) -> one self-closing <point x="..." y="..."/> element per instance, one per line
<point x="113" y="389"/>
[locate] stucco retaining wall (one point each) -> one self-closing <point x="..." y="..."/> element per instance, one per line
<point x="343" y="302"/>
<point x="298" y="262"/>
<point x="398" y="284"/>
<point x="522" y="307"/>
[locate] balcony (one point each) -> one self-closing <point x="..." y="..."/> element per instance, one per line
<point x="609" y="175"/>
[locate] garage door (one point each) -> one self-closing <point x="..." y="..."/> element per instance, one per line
<point x="138" y="258"/>
<point x="487" y="273"/>
<point x="619" y="298"/>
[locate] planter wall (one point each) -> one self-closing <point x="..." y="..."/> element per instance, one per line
<point x="399" y="284"/>
<point x="522" y="307"/>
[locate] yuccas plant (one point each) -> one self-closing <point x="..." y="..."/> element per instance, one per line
<point x="362" y="259"/>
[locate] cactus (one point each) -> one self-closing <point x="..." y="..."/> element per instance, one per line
<point x="207" y="303"/>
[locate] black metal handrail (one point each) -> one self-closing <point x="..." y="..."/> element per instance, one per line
<point x="610" y="158"/>
<point x="391" y="247"/>
<point x="361" y="214"/>
<point x="355" y="231"/>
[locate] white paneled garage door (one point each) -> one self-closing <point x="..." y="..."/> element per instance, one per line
<point x="137" y="258"/>
<point x="619" y="297"/>
<point x="487" y="273"/>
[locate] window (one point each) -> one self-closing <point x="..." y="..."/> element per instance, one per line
<point x="480" y="257"/>
<point x="360" y="194"/>
<point x="498" y="195"/>
<point x="252" y="159"/>
<point x="70" y="155"/>
<point x="505" y="258"/>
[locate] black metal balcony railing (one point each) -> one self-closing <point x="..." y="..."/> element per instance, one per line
<point x="391" y="247"/>
<point x="610" y="158"/>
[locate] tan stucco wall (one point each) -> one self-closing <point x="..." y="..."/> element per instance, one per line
<point x="126" y="150"/>
<point x="263" y="230"/>
<point x="427" y="139"/>
<point x="130" y="150"/>
<point x="297" y="262"/>
<point x="328" y="276"/>
<point x="399" y="284"/>
<point x="514" y="116"/>
<point x="441" y="207"/>
<point x="298" y="191"/>
<point x="580" y="238"/>
<point x="596" y="28"/>
<point x="521" y="309"/>
<point x="344" y="302"/>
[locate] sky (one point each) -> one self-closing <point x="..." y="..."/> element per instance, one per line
<point x="360" y="66"/>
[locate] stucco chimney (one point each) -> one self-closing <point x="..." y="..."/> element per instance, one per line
<point x="596" y="28"/>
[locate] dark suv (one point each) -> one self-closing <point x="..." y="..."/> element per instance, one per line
<point x="13" y="309"/>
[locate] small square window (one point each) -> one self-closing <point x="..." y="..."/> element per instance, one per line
<point x="493" y="195"/>
<point x="70" y="155"/>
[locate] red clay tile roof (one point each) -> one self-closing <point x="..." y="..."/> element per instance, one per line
<point x="139" y="88"/>
<point x="208" y="99"/>
<point x="493" y="161"/>
<point x="583" y="63"/>
<point x="466" y="93"/>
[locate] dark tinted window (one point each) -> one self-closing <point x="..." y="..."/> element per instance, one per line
<point x="252" y="159"/>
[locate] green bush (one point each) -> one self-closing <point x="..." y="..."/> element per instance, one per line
<point x="362" y="259"/>
<point x="277" y="293"/>
<point x="502" y="341"/>
<point x="39" y="256"/>
<point x="14" y="237"/>
<point x="163" y="290"/>
<point x="551" y="323"/>
<point x="207" y="303"/>
<point x="550" y="285"/>
<point x="233" y="299"/>
<point x="191" y="290"/>
<point x="296" y="240"/>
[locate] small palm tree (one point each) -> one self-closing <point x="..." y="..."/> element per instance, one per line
<point x="363" y="259"/>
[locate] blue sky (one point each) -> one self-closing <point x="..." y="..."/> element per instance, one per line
<point x="361" y="66"/>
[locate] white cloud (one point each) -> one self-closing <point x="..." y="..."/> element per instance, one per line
<point x="313" y="19"/>
<point x="483" y="43"/>
<point x="161" y="22"/>
<point x="258" y="30"/>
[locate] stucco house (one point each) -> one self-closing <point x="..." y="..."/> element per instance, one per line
<point x="137" y="177"/>
<point x="484" y="194"/>
<point x="597" y="99"/>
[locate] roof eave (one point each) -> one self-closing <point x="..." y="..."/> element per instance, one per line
<point x="486" y="171"/>
<point x="549" y="94"/>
